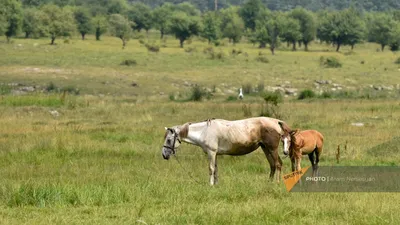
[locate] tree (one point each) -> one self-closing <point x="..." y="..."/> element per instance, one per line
<point x="210" y="27"/>
<point x="58" y="21"/>
<point x="290" y="30"/>
<point x="380" y="28"/>
<point x="100" y="25"/>
<point x="188" y="9"/>
<point x="341" y="28"/>
<point x="116" y="6"/>
<point x="140" y="14"/>
<point x="232" y="25"/>
<point x="184" y="26"/>
<point x="10" y="17"/>
<point x="83" y="21"/>
<point x="120" y="27"/>
<point x="249" y="13"/>
<point x="267" y="32"/>
<point x="308" y="27"/>
<point x="32" y="24"/>
<point x="161" y="17"/>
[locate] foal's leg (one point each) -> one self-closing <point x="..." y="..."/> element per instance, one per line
<point x="212" y="157"/>
<point x="311" y="157"/>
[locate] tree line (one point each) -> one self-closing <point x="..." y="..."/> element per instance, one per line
<point x="252" y="21"/>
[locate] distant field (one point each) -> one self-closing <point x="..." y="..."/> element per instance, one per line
<point x="99" y="161"/>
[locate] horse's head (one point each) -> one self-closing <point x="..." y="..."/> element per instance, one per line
<point x="288" y="139"/>
<point x="171" y="142"/>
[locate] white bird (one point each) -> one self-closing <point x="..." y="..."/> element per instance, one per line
<point x="54" y="113"/>
<point x="240" y="93"/>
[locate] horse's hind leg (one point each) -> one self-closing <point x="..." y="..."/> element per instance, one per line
<point x="312" y="160"/>
<point x="317" y="155"/>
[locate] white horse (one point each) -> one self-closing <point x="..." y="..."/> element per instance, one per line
<point x="223" y="137"/>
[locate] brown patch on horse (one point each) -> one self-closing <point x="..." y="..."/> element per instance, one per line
<point x="184" y="130"/>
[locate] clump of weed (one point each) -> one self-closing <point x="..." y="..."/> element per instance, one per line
<point x="71" y="90"/>
<point x="142" y="41"/>
<point x="362" y="62"/>
<point x="129" y="62"/>
<point x="260" y="87"/>
<point x="208" y="50"/>
<point x="270" y="106"/>
<point x="262" y="58"/>
<point x="246" y="88"/>
<point x="231" y="98"/>
<point x="330" y="62"/>
<point x="152" y="47"/>
<point x="349" y="53"/>
<point x="397" y="61"/>
<point x="190" y="49"/>
<point x="51" y="87"/>
<point x="5" y="89"/>
<point x="197" y="94"/>
<point x="306" y="94"/>
<point x="236" y="52"/>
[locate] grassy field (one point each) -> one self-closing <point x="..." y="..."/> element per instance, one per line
<point x="99" y="161"/>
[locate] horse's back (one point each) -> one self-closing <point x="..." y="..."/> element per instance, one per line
<point x="313" y="136"/>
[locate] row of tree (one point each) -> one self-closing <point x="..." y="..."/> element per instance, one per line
<point x="253" y="20"/>
<point x="204" y="5"/>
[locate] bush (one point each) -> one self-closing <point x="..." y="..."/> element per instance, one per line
<point x="246" y="88"/>
<point x="260" y="87"/>
<point x="231" y="98"/>
<point x="190" y="49"/>
<point x="236" y="52"/>
<point x="129" y="62"/>
<point x="397" y="61"/>
<point x="71" y="90"/>
<point x="51" y="87"/>
<point x="273" y="98"/>
<point x="197" y="94"/>
<point x="208" y="50"/>
<point x="306" y="94"/>
<point x="262" y="58"/>
<point x="330" y="62"/>
<point x="5" y="89"/>
<point x="152" y="47"/>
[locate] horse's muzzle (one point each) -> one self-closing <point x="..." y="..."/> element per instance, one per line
<point x="165" y="156"/>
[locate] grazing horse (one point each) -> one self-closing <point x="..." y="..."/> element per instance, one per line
<point x="223" y="137"/>
<point x="306" y="142"/>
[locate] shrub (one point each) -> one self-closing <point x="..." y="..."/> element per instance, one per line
<point x="208" y="50"/>
<point x="273" y="98"/>
<point x="247" y="88"/>
<point x="236" y="52"/>
<point x="262" y="58"/>
<point x="231" y="98"/>
<point x="306" y="94"/>
<point x="152" y="47"/>
<point x="129" y="62"/>
<point x="260" y="87"/>
<point x="397" y="61"/>
<point x="190" y="49"/>
<point x="51" y="87"/>
<point x="270" y="106"/>
<point x="197" y="94"/>
<point x="5" y="89"/>
<point x="330" y="62"/>
<point x="71" y="90"/>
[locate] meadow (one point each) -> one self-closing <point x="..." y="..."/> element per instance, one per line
<point x="99" y="161"/>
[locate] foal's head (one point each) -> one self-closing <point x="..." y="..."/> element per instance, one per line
<point x="288" y="140"/>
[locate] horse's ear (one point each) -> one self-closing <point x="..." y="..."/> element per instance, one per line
<point x="293" y="132"/>
<point x="284" y="127"/>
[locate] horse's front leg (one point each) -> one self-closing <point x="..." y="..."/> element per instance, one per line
<point x="212" y="157"/>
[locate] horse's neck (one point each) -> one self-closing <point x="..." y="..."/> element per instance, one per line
<point x="195" y="132"/>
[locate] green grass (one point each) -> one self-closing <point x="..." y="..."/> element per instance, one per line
<point x="100" y="161"/>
